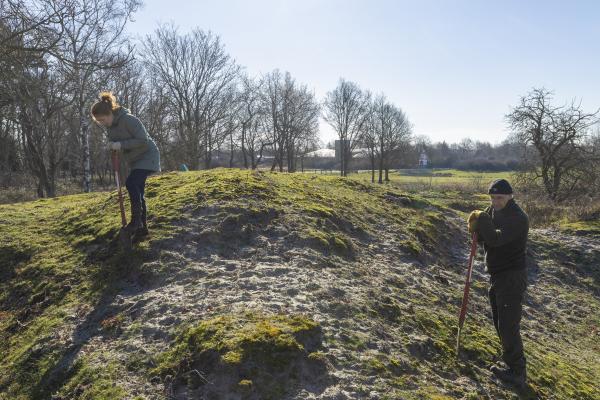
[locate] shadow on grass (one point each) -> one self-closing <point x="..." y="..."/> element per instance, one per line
<point x="113" y="271"/>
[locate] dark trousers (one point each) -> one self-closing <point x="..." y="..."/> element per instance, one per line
<point x="135" y="183"/>
<point x="507" y="289"/>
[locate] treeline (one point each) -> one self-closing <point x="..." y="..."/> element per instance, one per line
<point x="466" y="155"/>
<point x="372" y="123"/>
<point x="195" y="100"/>
<point x="197" y="103"/>
<point x="472" y="155"/>
<point x="204" y="111"/>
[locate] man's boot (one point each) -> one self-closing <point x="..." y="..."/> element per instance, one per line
<point x="497" y="367"/>
<point x="510" y="376"/>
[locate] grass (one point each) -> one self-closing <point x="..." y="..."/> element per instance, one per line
<point x="90" y="382"/>
<point x="442" y="179"/>
<point x="580" y="227"/>
<point x="59" y="258"/>
<point x="238" y="343"/>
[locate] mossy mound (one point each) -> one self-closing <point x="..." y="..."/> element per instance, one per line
<point x="261" y="356"/>
<point x="379" y="268"/>
<point x="61" y="256"/>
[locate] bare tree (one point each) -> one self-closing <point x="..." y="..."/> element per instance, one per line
<point x="160" y="119"/>
<point x="304" y="120"/>
<point x="369" y="137"/>
<point x="42" y="99"/>
<point x="345" y="109"/>
<point x="560" y="137"/>
<point x="393" y="132"/>
<point x="130" y="86"/>
<point x="93" y="41"/>
<point x="220" y="123"/>
<point x="50" y="57"/>
<point x="275" y="99"/>
<point x="11" y="159"/>
<point x="32" y="26"/>
<point x="292" y="113"/>
<point x="34" y="89"/>
<point x="198" y="74"/>
<point x="253" y="138"/>
<point x="466" y="147"/>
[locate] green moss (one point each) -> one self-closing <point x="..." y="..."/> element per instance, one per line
<point x="552" y="374"/>
<point x="62" y="253"/>
<point x="355" y="341"/>
<point x="138" y="362"/>
<point x="336" y="243"/>
<point x="94" y="383"/>
<point x="245" y="385"/>
<point x="431" y="393"/>
<point x="317" y="356"/>
<point x="263" y="346"/>
<point x="472" y="396"/>
<point x="318" y="209"/>
<point x="478" y="342"/>
<point x="480" y="287"/>
<point x="237" y="338"/>
<point x="318" y="236"/>
<point x="433" y="323"/>
<point x="60" y="256"/>
<point x="388" y="308"/>
<point x="411" y="246"/>
<point x="375" y="365"/>
<point x="580" y="227"/>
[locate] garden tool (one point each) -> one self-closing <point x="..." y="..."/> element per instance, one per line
<point x="465" y="299"/>
<point x="124" y="236"/>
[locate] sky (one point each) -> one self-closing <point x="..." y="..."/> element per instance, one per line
<point x="454" y="67"/>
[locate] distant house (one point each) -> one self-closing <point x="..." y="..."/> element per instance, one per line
<point x="321" y="153"/>
<point x="335" y="153"/>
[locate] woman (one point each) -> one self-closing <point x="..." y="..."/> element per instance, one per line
<point x="127" y="134"/>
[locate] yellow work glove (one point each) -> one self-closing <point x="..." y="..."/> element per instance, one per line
<point x="472" y="220"/>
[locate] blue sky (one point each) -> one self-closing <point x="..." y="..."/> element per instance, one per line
<point x="454" y="67"/>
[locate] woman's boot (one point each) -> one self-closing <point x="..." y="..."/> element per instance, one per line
<point x="142" y="232"/>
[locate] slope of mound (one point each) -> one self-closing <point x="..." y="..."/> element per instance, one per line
<point x="257" y="285"/>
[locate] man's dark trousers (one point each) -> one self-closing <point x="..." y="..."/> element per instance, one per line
<point x="507" y="289"/>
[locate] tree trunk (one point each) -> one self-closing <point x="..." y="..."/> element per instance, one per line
<point x="208" y="152"/>
<point x="231" y="151"/>
<point x="40" y="190"/>
<point x="87" y="170"/>
<point x="342" y="152"/>
<point x="372" y="167"/>
<point x="244" y="146"/>
<point x="381" y="156"/>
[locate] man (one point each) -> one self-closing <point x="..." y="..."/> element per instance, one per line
<point x="503" y="229"/>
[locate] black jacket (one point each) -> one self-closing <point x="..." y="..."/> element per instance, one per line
<point x="504" y="237"/>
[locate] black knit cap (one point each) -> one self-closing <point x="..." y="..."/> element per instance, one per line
<point x="500" y="186"/>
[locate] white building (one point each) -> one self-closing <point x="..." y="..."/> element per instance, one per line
<point x="321" y="153"/>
